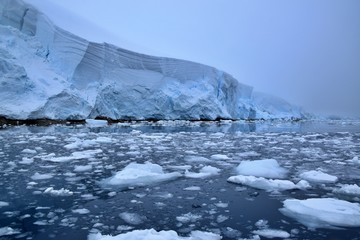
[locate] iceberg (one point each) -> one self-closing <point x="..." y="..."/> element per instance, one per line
<point x="49" y="73"/>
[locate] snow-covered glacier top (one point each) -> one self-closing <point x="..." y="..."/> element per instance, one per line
<point x="47" y="72"/>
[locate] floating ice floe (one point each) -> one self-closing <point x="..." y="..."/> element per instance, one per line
<point x="151" y="234"/>
<point x="74" y="156"/>
<point x="136" y="174"/>
<point x="3" y="204"/>
<point x="267" y="168"/>
<point x="318" y="177"/>
<point x="263" y="183"/>
<point x="38" y="176"/>
<point x="323" y="212"/>
<point x="81" y="211"/>
<point x="194" y="158"/>
<point x="58" y="193"/>
<point x="272" y="233"/>
<point x="96" y="123"/>
<point x="348" y="189"/>
<point x="188" y="217"/>
<point x="204" y="172"/>
<point x="355" y="160"/>
<point x="131" y="218"/>
<point x="219" y="157"/>
<point x="6" y="231"/>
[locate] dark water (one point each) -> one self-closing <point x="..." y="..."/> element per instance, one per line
<point x="218" y="206"/>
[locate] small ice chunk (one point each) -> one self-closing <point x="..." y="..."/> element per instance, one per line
<point x="82" y="168"/>
<point x="188" y="217"/>
<point x="272" y="233"/>
<point x="323" y="212"/>
<point x="131" y="218"/>
<point x="3" y="204"/>
<point x="29" y="151"/>
<point x="303" y="184"/>
<point x="348" y="189"/>
<point x="81" y="211"/>
<point x="192" y="188"/>
<point x="221" y="205"/>
<point x="96" y="123"/>
<point x="267" y="168"/>
<point x="38" y="176"/>
<point x="151" y="234"/>
<point x="318" y="177"/>
<point x="58" y="193"/>
<point x="221" y="218"/>
<point x="6" y="231"/>
<point x="194" y="158"/>
<point x="355" y="160"/>
<point x="204" y="172"/>
<point x="219" y="157"/>
<point x="263" y="183"/>
<point x="136" y="174"/>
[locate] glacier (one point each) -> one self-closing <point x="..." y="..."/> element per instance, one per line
<point x="49" y="73"/>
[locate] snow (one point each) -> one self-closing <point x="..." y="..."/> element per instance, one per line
<point x="151" y="234"/>
<point x="263" y="183"/>
<point x="323" y="212"/>
<point x="204" y="172"/>
<point x="267" y="168"/>
<point x="58" y="193"/>
<point x="272" y="233"/>
<point x="318" y="177"/>
<point x="136" y="174"/>
<point x="63" y="76"/>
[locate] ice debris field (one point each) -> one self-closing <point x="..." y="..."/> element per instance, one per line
<point x="98" y="183"/>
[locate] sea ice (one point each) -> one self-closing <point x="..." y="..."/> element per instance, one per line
<point x="38" y="176"/>
<point x="188" y="217"/>
<point x="267" y="168"/>
<point x="3" y="204"/>
<point x="6" y="231"/>
<point x="151" y="234"/>
<point x="81" y="211"/>
<point x="318" y="177"/>
<point x="58" y="193"/>
<point x="272" y="233"/>
<point x="348" y="189"/>
<point x="323" y="212"/>
<point x="136" y="174"/>
<point x="263" y="183"/>
<point x="131" y="218"/>
<point x="204" y="172"/>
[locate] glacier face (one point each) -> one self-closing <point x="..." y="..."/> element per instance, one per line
<point x="47" y="72"/>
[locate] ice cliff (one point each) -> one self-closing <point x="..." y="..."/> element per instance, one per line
<point x="47" y="72"/>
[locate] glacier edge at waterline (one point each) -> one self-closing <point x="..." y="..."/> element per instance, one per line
<point x="49" y="73"/>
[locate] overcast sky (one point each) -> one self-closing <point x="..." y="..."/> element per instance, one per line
<point x="305" y="51"/>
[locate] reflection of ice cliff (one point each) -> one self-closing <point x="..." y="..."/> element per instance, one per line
<point x="47" y="72"/>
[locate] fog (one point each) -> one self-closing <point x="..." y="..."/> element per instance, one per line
<point x="305" y="51"/>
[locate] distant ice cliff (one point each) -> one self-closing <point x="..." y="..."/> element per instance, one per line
<point x="47" y="72"/>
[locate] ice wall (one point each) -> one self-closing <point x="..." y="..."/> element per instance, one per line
<point x="47" y="72"/>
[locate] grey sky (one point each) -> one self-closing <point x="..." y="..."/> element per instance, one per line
<point x="306" y="51"/>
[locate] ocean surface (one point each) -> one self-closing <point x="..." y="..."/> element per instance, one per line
<point x="50" y="177"/>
